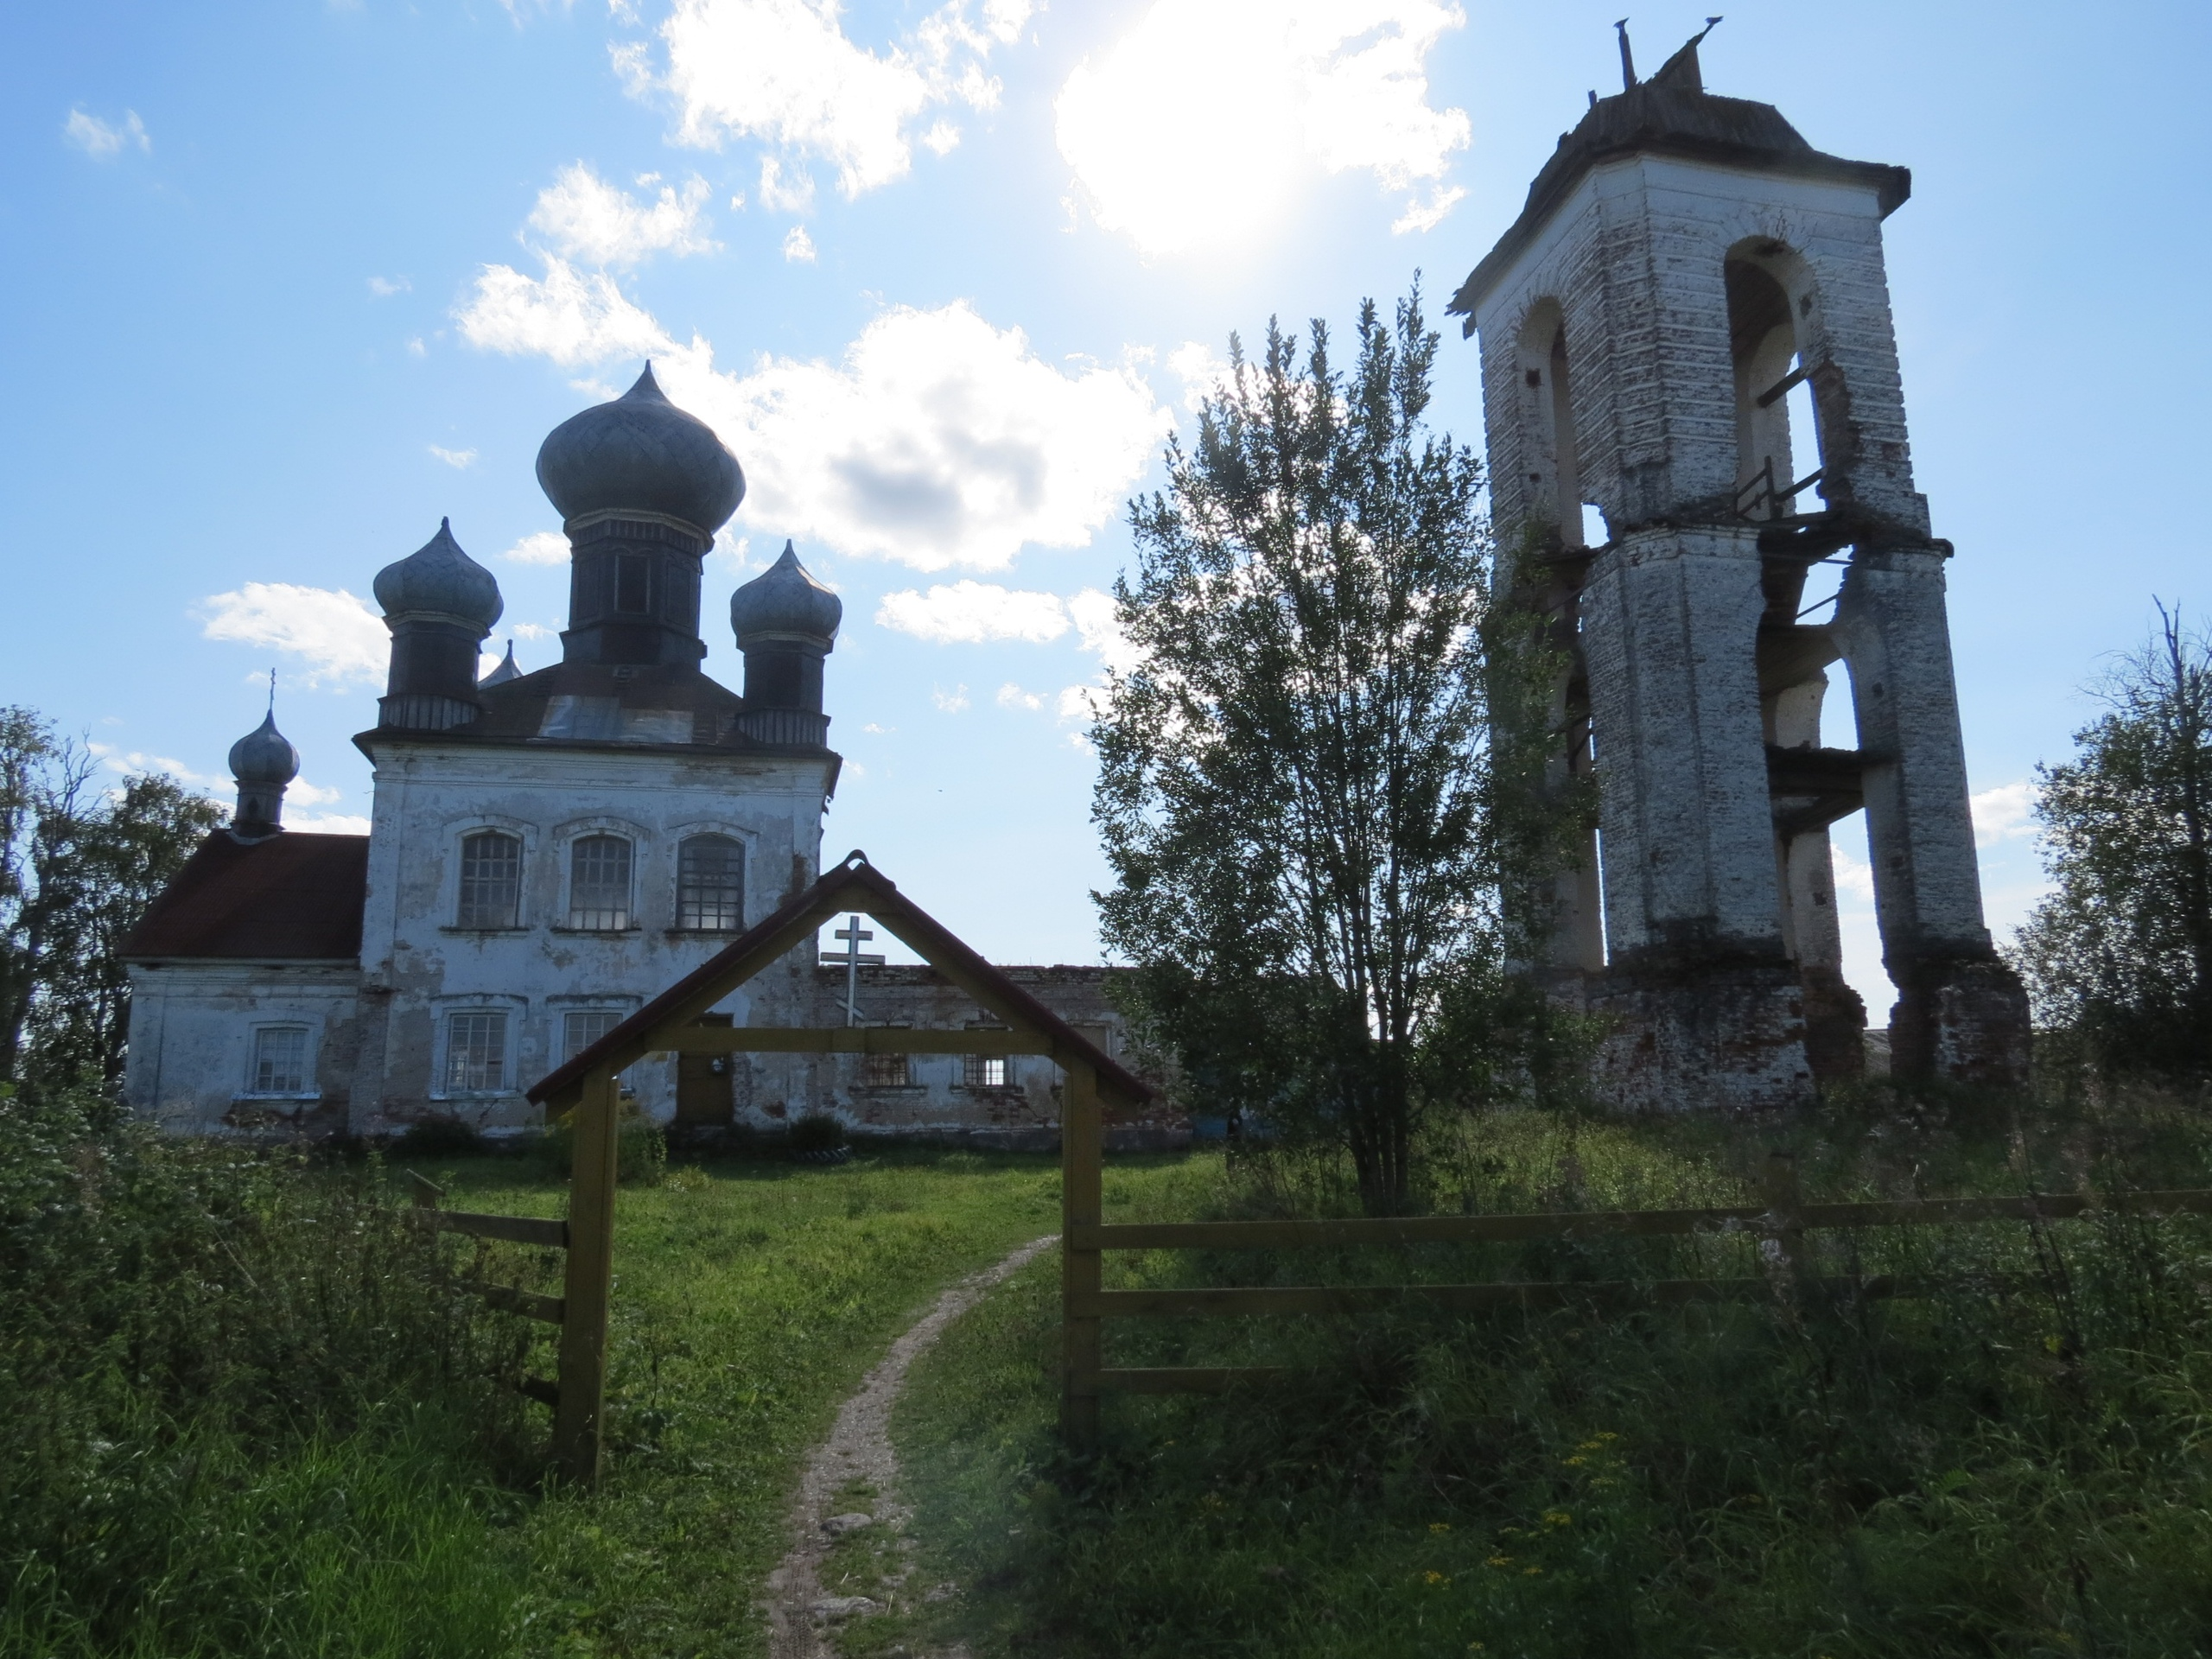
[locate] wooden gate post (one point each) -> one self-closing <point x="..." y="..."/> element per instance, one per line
<point x="1082" y="1204"/>
<point x="577" y="1417"/>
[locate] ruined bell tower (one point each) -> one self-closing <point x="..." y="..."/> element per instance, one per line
<point x="1687" y="269"/>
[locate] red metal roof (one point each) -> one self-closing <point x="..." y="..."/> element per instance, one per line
<point x="291" y="898"/>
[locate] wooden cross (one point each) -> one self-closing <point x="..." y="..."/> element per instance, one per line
<point x="852" y="960"/>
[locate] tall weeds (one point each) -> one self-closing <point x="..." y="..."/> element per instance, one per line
<point x="246" y="1408"/>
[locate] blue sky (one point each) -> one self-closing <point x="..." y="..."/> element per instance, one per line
<point x="286" y="282"/>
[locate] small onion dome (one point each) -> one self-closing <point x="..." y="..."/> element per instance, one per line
<point x="644" y="453"/>
<point x="784" y="602"/>
<point x="264" y="755"/>
<point x="438" y="577"/>
<point x="506" y="670"/>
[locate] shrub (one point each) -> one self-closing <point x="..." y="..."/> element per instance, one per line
<point x="440" y="1137"/>
<point x="640" y="1147"/>
<point x="817" y="1132"/>
<point x="205" y="1348"/>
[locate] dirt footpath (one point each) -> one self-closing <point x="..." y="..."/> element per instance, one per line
<point x="858" y="1451"/>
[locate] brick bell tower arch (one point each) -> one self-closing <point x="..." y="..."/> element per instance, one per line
<point x="1691" y="317"/>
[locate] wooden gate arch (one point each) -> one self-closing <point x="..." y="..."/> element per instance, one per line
<point x="670" y="1023"/>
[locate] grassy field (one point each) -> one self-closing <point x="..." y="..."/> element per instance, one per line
<point x="231" y="1433"/>
<point x="1983" y="1473"/>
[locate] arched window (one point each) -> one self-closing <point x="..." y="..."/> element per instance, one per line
<point x="598" y="884"/>
<point x="490" y="880"/>
<point x="710" y="885"/>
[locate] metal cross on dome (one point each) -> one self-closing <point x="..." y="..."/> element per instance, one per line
<point x="852" y="960"/>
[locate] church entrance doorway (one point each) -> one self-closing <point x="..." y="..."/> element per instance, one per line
<point x="704" y="1097"/>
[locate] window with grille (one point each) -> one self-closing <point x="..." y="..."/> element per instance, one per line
<point x="476" y="1051"/>
<point x="490" y="880"/>
<point x="598" y="884"/>
<point x="280" y="1060"/>
<point x="579" y="1031"/>
<point x="710" y="885"/>
<point x="885" y="1072"/>
<point x="986" y="1072"/>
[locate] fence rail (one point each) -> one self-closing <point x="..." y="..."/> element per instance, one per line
<point x="1782" y="1218"/>
<point x="429" y="1210"/>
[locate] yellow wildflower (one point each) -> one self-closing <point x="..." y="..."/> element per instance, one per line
<point x="1576" y="1463"/>
<point x="1439" y="1526"/>
<point x="1531" y="1572"/>
<point x="1435" y="1577"/>
<point x="1499" y="1561"/>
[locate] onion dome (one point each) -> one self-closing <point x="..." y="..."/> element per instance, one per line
<point x="784" y="603"/>
<point x="506" y="670"/>
<point x="643" y="454"/>
<point x="439" y="579"/>
<point x="264" y="755"/>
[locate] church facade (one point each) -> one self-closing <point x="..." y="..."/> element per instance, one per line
<point x="547" y="851"/>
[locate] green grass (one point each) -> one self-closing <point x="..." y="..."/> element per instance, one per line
<point x="1977" y="1474"/>
<point x="249" y="1414"/>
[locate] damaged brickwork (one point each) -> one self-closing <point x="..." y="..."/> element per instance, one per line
<point x="1685" y="268"/>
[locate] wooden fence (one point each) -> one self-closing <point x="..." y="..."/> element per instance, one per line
<point x="510" y="1229"/>
<point x="1782" y="1219"/>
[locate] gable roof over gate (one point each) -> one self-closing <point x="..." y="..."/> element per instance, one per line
<point x="853" y="885"/>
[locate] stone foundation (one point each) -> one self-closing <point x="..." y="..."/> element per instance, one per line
<point x="1964" y="1021"/>
<point x="1730" y="1036"/>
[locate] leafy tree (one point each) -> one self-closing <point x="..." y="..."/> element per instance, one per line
<point x="78" y="868"/>
<point x="2120" y="955"/>
<point x="1296" y="791"/>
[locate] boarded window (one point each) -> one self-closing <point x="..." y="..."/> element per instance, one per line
<point x="490" y="880"/>
<point x="476" y="1051"/>
<point x="598" y="884"/>
<point x="987" y="1071"/>
<point x="280" y="1060"/>
<point x="710" y="885"/>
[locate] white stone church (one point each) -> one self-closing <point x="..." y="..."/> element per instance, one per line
<point x="547" y="851"/>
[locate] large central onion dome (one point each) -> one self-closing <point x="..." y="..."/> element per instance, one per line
<point x="643" y="454"/>
<point x="438" y="579"/>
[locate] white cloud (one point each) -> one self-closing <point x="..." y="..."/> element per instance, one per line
<point x="1427" y="215"/>
<point x="573" y="318"/>
<point x="1093" y="611"/>
<point x="798" y="246"/>
<point x="2005" y="813"/>
<point x="937" y="440"/>
<point x="459" y="460"/>
<point x="384" y="287"/>
<point x="971" y="613"/>
<point x="586" y="218"/>
<point x="340" y="639"/>
<point x="951" y="702"/>
<point x="416" y="348"/>
<point x="539" y="547"/>
<point x="1198" y="126"/>
<point x="328" y="823"/>
<point x="303" y="793"/>
<point x="1854" y="876"/>
<point x="785" y="73"/>
<point x="533" y="631"/>
<point x="102" y="142"/>
<point x="1203" y="374"/>
<point x="137" y="762"/>
<point x="779" y="194"/>
<point x="1013" y="696"/>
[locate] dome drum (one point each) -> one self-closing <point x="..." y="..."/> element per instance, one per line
<point x="263" y="762"/>
<point x="439" y="604"/>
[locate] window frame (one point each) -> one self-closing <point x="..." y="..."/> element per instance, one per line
<point x="309" y="1058"/>
<point x="442" y="1084"/>
<point x="456" y="831"/>
<point x="479" y="833"/>
<point x="688" y="837"/>
<point x="574" y="850"/>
